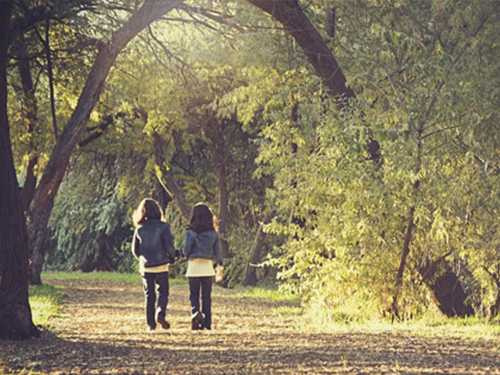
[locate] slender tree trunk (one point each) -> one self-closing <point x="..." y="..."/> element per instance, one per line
<point x="53" y="174"/>
<point x="495" y="307"/>
<point x="50" y="72"/>
<point x="30" y="110"/>
<point x="255" y="254"/>
<point x="402" y="263"/>
<point x="15" y="312"/>
<point x="409" y="229"/>
<point x="215" y="134"/>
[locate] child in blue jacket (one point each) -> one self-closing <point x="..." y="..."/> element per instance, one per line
<point x="201" y="248"/>
<point x="153" y="246"/>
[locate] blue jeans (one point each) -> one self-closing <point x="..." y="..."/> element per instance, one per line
<point x="153" y="312"/>
<point x="203" y="284"/>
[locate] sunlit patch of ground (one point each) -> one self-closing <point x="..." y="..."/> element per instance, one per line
<point x="102" y="331"/>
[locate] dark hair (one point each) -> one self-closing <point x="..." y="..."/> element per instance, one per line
<point x="202" y="218"/>
<point x="148" y="209"/>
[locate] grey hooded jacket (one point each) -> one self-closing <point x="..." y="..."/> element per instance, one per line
<point x="204" y="245"/>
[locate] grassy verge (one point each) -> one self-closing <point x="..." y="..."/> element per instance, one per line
<point x="45" y="302"/>
<point x="132" y="277"/>
<point x="351" y="319"/>
<point x="432" y="324"/>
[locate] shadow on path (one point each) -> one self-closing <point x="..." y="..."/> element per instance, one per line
<point x="101" y="332"/>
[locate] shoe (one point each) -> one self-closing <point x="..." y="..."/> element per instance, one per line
<point x="164" y="324"/>
<point x="197" y="321"/>
<point x="150" y="329"/>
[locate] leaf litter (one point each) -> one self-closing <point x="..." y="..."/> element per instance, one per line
<point x="102" y="331"/>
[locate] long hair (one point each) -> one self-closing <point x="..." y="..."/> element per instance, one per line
<point x="202" y="218"/>
<point x="148" y="209"/>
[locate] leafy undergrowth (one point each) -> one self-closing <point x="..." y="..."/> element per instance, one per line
<point x="101" y="330"/>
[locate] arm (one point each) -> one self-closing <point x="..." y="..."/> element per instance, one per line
<point x="218" y="251"/>
<point x="136" y="244"/>
<point x="168" y="243"/>
<point x="188" y="245"/>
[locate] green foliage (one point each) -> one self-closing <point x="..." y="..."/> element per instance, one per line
<point x="90" y="226"/>
<point x="343" y="216"/>
<point x="426" y="77"/>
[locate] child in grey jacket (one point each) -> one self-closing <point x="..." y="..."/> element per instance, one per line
<point x="201" y="248"/>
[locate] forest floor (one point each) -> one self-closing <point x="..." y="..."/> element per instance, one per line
<point x="102" y="331"/>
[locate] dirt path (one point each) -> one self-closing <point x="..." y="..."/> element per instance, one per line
<point x="102" y="331"/>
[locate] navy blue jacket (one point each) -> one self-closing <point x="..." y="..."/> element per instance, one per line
<point x="153" y="243"/>
<point x="203" y="245"/>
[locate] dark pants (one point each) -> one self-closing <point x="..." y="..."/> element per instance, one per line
<point x="154" y="312"/>
<point x="205" y="285"/>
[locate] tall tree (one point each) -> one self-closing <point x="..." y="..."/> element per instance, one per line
<point x="450" y="296"/>
<point x="15" y="312"/>
<point x="53" y="174"/>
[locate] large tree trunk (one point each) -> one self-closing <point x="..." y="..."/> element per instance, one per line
<point x="446" y="288"/>
<point x="15" y="312"/>
<point x="53" y="174"/>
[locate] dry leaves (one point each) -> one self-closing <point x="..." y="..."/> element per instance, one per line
<point x="102" y="331"/>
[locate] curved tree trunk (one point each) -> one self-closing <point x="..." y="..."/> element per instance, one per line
<point x="167" y="180"/>
<point x="289" y="13"/>
<point x="53" y="174"/>
<point x="15" y="312"/>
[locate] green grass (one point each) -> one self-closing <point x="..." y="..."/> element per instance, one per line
<point x="288" y="311"/>
<point x="132" y="277"/>
<point x="471" y="327"/>
<point x="45" y="302"/>
<point x="267" y="293"/>
<point x="92" y="276"/>
<point x="431" y="325"/>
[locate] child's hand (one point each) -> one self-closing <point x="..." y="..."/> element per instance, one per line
<point x="219" y="275"/>
<point x="184" y="259"/>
